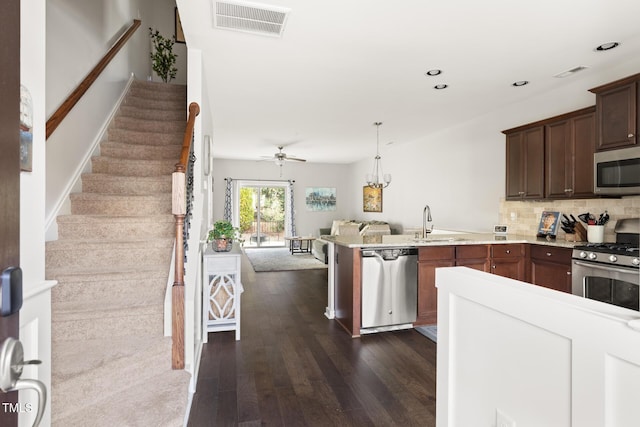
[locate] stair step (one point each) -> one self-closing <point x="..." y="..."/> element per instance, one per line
<point x="152" y="93"/>
<point x="145" y="138"/>
<point x="172" y="104"/>
<point x="116" y="184"/>
<point x="132" y="167"/>
<point x="159" y="86"/>
<point x="120" y="204"/>
<point x="144" y="113"/>
<point x="144" y="284"/>
<point x="115" y="227"/>
<point x="80" y="254"/>
<point x="146" y="125"/>
<point x="123" y="150"/>
<point x="87" y="370"/>
<point x="160" y="400"/>
<point x="70" y="325"/>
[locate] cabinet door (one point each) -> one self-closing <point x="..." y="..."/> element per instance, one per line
<point x="551" y="267"/>
<point x="525" y="164"/>
<point x="427" y="291"/>
<point x="512" y="268"/>
<point x="558" y="159"/>
<point x="534" y="163"/>
<point x="583" y="139"/>
<point x="515" y="166"/>
<point x="616" y="116"/>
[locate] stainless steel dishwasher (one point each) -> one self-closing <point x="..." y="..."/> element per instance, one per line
<point x="389" y="288"/>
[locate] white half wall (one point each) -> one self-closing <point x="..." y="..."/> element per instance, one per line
<point x="538" y="356"/>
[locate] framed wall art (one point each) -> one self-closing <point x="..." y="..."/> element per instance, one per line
<point x="179" y="34"/>
<point x="371" y="199"/>
<point x="320" y="199"/>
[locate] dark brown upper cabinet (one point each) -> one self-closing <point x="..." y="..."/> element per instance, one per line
<point x="525" y="163"/>
<point x="617" y="113"/>
<point x="569" y="147"/>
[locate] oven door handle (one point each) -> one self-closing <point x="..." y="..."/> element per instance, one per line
<point x="599" y="267"/>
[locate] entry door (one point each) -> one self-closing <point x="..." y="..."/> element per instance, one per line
<point x="9" y="170"/>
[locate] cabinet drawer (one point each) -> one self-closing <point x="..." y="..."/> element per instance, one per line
<point x="435" y="253"/>
<point x="551" y="254"/>
<point x="508" y="250"/>
<point x="472" y="252"/>
<point x="222" y="264"/>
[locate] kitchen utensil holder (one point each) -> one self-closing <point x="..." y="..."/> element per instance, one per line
<point x="595" y="233"/>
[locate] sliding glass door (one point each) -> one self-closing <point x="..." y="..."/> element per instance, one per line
<point x="262" y="213"/>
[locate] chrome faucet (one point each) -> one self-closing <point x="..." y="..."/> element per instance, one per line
<point x="426" y="217"/>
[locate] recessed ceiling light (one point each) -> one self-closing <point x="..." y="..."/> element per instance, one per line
<point x="607" y="46"/>
<point x="520" y="83"/>
<point x="433" y="72"/>
<point x="441" y="86"/>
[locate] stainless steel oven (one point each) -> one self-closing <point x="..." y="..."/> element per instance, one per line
<point x="610" y="272"/>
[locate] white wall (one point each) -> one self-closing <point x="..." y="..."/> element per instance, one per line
<point x="78" y="34"/>
<point x="304" y="174"/>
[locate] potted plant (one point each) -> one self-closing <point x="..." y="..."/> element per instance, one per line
<point x="163" y="59"/>
<point x="222" y="235"/>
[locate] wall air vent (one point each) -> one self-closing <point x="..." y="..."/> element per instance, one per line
<point x="571" y="71"/>
<point x="250" y="17"/>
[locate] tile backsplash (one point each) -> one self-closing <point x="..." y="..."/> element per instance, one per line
<point x="523" y="217"/>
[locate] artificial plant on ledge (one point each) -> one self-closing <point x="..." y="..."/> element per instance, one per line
<point x="222" y="235"/>
<point x="163" y="59"/>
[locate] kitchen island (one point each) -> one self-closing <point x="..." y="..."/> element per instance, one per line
<point x="543" y="262"/>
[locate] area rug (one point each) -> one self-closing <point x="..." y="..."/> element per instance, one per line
<point x="430" y="332"/>
<point x="280" y="259"/>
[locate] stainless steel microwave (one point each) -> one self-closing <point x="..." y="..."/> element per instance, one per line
<point x="617" y="172"/>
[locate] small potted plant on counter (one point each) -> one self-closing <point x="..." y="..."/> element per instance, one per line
<point x="222" y="235"/>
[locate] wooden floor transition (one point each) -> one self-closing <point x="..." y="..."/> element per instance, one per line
<point x="295" y="367"/>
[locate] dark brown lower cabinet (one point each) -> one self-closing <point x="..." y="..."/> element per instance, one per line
<point x="508" y="260"/>
<point x="551" y="267"/>
<point x="430" y="258"/>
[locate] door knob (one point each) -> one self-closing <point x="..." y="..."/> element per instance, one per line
<point x="11" y="365"/>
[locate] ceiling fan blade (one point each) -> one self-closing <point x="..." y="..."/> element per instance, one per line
<point x="296" y="159"/>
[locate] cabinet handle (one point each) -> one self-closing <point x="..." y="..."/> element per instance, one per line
<point x="493" y="266"/>
<point x="548" y="253"/>
<point x="568" y="190"/>
<point x="507" y="251"/>
<point x="630" y="135"/>
<point x="568" y="273"/>
<point x="521" y="193"/>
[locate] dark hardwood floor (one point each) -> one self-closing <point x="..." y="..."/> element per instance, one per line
<point x="295" y="367"/>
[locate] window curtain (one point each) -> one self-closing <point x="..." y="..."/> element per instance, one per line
<point x="228" y="200"/>
<point x="291" y="211"/>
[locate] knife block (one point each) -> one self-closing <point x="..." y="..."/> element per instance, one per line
<point x="580" y="233"/>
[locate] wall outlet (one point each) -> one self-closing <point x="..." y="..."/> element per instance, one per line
<point x="503" y="420"/>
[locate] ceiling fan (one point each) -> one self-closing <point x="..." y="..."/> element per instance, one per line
<point x="279" y="158"/>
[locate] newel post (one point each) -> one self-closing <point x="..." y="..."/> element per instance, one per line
<point x="179" y="209"/>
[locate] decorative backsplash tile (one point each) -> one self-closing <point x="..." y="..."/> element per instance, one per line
<point x="523" y="217"/>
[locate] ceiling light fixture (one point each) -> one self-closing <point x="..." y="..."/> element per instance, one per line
<point x="433" y="72"/>
<point x="520" y="83"/>
<point x="374" y="179"/>
<point x="441" y="86"/>
<point x="607" y="46"/>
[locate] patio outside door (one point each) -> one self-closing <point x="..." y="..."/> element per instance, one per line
<point x="262" y="214"/>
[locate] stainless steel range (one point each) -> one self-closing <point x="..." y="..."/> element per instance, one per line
<point x="610" y="272"/>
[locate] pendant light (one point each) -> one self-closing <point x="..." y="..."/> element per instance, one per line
<point x="377" y="178"/>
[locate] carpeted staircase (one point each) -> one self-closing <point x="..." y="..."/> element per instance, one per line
<point x="111" y="362"/>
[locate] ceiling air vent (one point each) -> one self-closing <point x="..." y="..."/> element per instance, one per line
<point x="250" y="17"/>
<point x="571" y="71"/>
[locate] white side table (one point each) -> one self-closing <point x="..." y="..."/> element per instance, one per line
<point x="221" y="289"/>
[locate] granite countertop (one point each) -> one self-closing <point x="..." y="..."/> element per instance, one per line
<point x="403" y="240"/>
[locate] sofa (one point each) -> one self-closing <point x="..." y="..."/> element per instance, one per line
<point x="319" y="247"/>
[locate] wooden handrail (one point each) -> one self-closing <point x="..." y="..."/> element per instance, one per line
<point x="68" y="104"/>
<point x="179" y="210"/>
